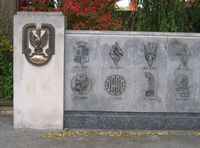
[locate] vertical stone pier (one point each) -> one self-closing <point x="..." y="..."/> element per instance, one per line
<point x="38" y="70"/>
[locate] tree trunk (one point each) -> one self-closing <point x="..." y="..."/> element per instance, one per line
<point x="170" y="5"/>
<point x="7" y="9"/>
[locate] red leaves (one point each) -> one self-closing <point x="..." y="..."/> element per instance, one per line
<point x="71" y="5"/>
<point x="91" y="14"/>
<point x="84" y="14"/>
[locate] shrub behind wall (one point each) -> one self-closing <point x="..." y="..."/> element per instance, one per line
<point x="6" y="68"/>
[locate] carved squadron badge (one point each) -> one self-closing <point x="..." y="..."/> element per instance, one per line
<point x="150" y="52"/>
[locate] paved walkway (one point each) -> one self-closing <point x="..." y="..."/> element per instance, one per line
<point x="10" y="138"/>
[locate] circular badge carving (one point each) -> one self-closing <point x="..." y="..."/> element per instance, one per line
<point x="81" y="84"/>
<point x="115" y="85"/>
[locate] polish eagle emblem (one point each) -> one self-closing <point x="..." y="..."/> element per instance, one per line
<point x="39" y="40"/>
<point x="38" y="43"/>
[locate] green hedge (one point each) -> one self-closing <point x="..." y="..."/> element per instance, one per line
<point x="194" y="16"/>
<point x="165" y="16"/>
<point x="6" y="68"/>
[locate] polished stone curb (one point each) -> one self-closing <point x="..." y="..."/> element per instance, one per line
<point x="131" y="121"/>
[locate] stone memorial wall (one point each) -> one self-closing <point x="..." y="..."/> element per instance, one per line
<point x="132" y="80"/>
<point x="103" y="79"/>
<point x="132" y="71"/>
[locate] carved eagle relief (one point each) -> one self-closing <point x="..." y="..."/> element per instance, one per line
<point x="38" y="43"/>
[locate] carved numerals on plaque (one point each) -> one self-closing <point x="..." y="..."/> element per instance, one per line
<point x="38" y="43"/>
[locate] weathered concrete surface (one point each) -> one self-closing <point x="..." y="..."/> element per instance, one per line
<point x="38" y="91"/>
<point x="10" y="138"/>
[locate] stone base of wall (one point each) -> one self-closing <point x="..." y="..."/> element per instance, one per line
<point x="131" y="121"/>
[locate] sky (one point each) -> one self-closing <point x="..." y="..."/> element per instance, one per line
<point x="123" y="3"/>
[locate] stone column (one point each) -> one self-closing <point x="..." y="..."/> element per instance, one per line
<point x="38" y="70"/>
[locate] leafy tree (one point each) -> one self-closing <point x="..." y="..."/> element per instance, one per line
<point x="161" y="15"/>
<point x="194" y="16"/>
<point x="84" y="14"/>
<point x="6" y="68"/>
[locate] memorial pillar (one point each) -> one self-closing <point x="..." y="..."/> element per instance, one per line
<point x="38" y="70"/>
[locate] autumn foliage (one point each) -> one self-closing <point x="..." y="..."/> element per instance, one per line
<point x="83" y="14"/>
